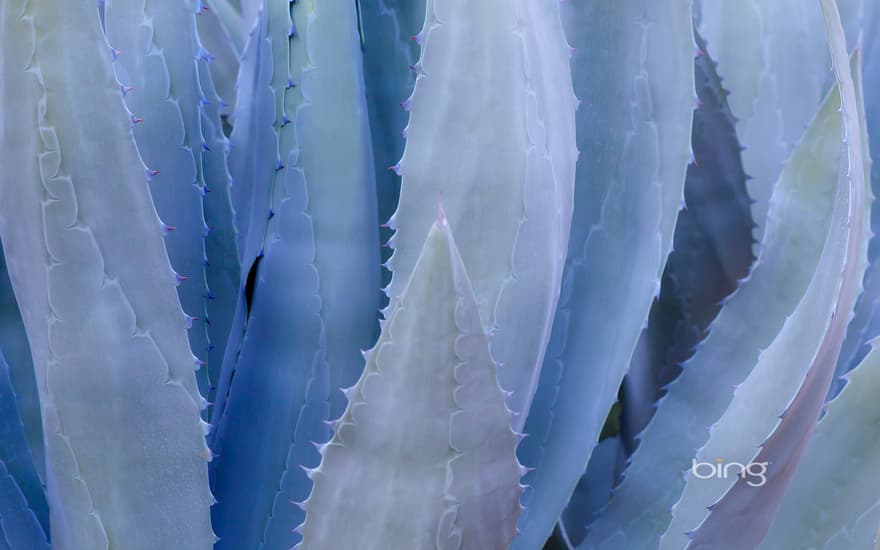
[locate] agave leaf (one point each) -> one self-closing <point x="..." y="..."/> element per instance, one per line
<point x="745" y="513"/>
<point x="24" y="515"/>
<point x="156" y="63"/>
<point x="223" y="270"/>
<point x="224" y="52"/>
<point x="390" y="36"/>
<point x="14" y="343"/>
<point x="265" y="102"/>
<point x="593" y="490"/>
<point x="760" y="400"/>
<point x="228" y="17"/>
<point x="445" y="474"/>
<point x="834" y="498"/>
<point x="798" y="223"/>
<point x="315" y="296"/>
<point x="503" y="160"/>
<point x="633" y="130"/>
<point x="712" y="252"/>
<point x="107" y="332"/>
<point x="866" y="324"/>
<point x="772" y="57"/>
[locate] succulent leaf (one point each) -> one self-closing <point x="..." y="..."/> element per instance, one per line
<point x="14" y="343"/>
<point x="712" y="252"/>
<point x="315" y="293"/>
<point x="761" y="399"/>
<point x="634" y="127"/>
<point x="503" y="161"/>
<point x="24" y="514"/>
<point x="832" y="501"/>
<point x="158" y="66"/>
<point x="390" y="32"/>
<point x="106" y="328"/>
<point x="445" y="474"/>
<point x="745" y="512"/>
<point x="772" y="57"/>
<point x="798" y="223"/>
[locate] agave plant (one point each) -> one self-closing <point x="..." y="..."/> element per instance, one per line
<point x="375" y="274"/>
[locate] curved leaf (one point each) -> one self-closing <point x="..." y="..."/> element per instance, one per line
<point x="745" y="512"/>
<point x="761" y="398"/>
<point x="14" y="343"/>
<point x="633" y="71"/>
<point x="499" y="147"/>
<point x="798" y="223"/>
<point x="390" y="31"/>
<point x="771" y="55"/>
<point x="834" y="498"/>
<point x="444" y="474"/>
<point x="106" y="328"/>
<point x="156" y="61"/>
<point x="24" y="515"/>
<point x="315" y="293"/>
<point x="711" y="253"/>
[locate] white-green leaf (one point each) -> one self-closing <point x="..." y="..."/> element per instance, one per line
<point x="442" y="474"/>
<point x="491" y="130"/>
<point x="746" y="510"/>
<point x="834" y="498"/>
<point x="126" y="456"/>
<point x="798" y="222"/>
<point x="760" y="400"/>
<point x="771" y="56"/>
<point x="633" y="68"/>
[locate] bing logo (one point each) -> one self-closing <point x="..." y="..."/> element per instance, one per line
<point x="722" y="470"/>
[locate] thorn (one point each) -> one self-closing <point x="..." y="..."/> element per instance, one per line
<point x="279" y="166"/>
<point x="166" y="229"/>
<point x="126" y="89"/>
<point x="136" y="120"/>
<point x="406" y="104"/>
<point x="152" y="174"/>
<point x="180" y="278"/>
<point x="290" y="83"/>
<point x="115" y="53"/>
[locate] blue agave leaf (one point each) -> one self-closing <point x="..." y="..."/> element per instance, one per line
<point x="866" y="323"/>
<point x="390" y="31"/>
<point x="13" y="341"/>
<point x="745" y="512"/>
<point x="712" y="251"/>
<point x="223" y="269"/>
<point x="593" y="490"/>
<point x="225" y="51"/>
<point x="24" y="514"/>
<point x="157" y="63"/>
<point x="253" y="159"/>
<point x="310" y="304"/>
<point x="634" y="128"/>
<point x="799" y="217"/>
